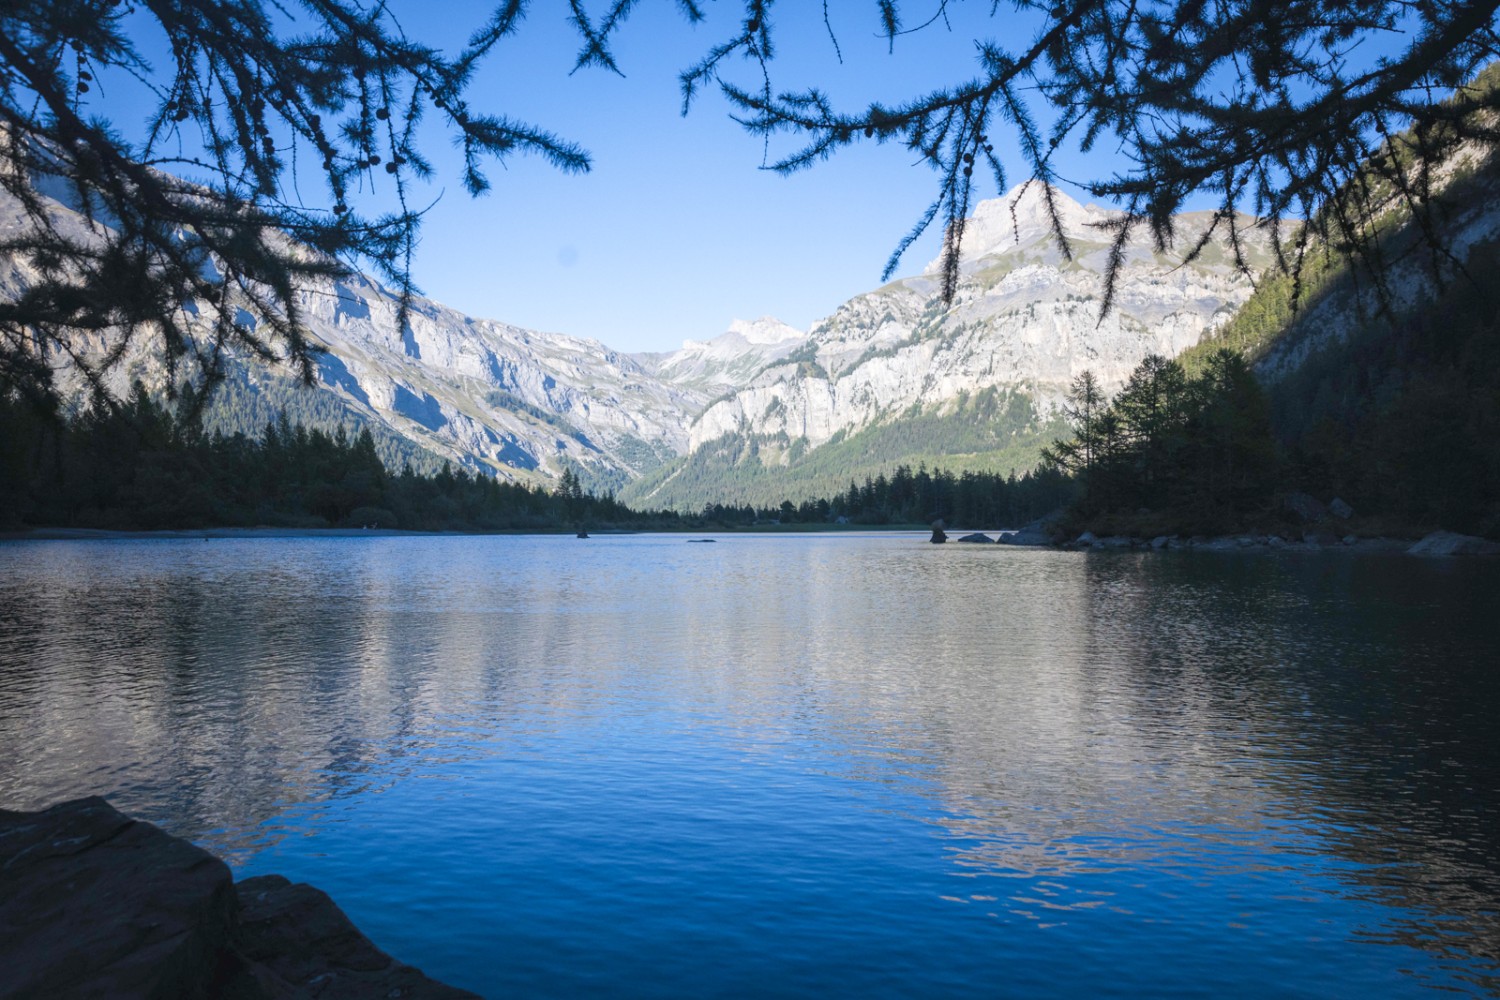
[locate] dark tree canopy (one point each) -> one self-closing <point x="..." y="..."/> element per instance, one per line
<point x="1297" y="109"/>
<point x="270" y="104"/>
<point x="1308" y="109"/>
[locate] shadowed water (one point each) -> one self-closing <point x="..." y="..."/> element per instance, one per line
<point x="777" y="765"/>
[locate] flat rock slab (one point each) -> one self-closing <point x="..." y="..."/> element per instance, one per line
<point x="96" y="904"/>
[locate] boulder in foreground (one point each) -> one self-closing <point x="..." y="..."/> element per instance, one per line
<point x="96" y="904"/>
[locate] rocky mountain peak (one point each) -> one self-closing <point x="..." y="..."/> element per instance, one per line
<point x="1019" y="219"/>
<point x="766" y="330"/>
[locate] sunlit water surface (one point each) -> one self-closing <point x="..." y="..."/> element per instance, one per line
<point x="802" y="766"/>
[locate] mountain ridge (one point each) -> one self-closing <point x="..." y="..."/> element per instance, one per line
<point x="528" y="405"/>
<point x="1025" y="320"/>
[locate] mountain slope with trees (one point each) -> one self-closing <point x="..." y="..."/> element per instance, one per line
<point x="899" y="376"/>
<point x="1377" y="381"/>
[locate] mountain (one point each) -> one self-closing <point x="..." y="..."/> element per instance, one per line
<point x="494" y="395"/>
<point x="728" y="361"/>
<point x="516" y="403"/>
<point x="1392" y="402"/>
<point x="896" y="376"/>
<point x="762" y="411"/>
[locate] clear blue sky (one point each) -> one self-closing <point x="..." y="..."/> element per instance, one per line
<point x="677" y="231"/>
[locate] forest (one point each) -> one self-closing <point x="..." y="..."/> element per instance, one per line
<point x="1171" y="453"/>
<point x="141" y="464"/>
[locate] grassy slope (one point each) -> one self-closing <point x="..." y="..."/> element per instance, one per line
<point x="992" y="431"/>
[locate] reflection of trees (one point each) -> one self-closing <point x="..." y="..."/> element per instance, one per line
<point x="1055" y="714"/>
<point x="1246" y="709"/>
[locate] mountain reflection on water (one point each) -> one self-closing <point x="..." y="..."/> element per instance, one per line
<point x="790" y="765"/>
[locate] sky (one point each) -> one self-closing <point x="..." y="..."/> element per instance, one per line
<point x="677" y="230"/>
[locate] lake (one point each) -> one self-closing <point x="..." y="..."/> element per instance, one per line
<point x="798" y="765"/>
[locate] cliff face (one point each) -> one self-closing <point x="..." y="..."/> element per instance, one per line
<point x="1026" y="320"/>
<point x="524" y="404"/>
<point x="498" y="398"/>
<point x="1025" y="317"/>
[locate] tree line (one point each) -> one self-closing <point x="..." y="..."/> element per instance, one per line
<point x="141" y="465"/>
<point x="146" y="464"/>
<point x="974" y="499"/>
<point x="1197" y="449"/>
<point x="1172" y="451"/>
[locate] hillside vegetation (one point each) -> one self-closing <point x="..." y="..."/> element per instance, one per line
<point x="992" y="431"/>
<point x="1380" y="370"/>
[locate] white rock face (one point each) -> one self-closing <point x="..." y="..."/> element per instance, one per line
<point x="729" y="360"/>
<point x="486" y="390"/>
<point x="1025" y="317"/>
<point x="492" y="396"/>
<point x="520" y="403"/>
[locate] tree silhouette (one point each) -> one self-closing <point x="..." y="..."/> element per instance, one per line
<point x="1271" y="106"/>
<point x="251" y="94"/>
<point x="1276" y="108"/>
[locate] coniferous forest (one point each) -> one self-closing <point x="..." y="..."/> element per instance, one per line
<point x="139" y="466"/>
<point x="144" y="465"/>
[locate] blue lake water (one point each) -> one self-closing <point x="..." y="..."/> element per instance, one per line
<point x="809" y="765"/>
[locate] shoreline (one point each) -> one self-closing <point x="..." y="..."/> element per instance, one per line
<point x="268" y="531"/>
<point x="1437" y="543"/>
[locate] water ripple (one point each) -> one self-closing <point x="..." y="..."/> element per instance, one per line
<point x="797" y="765"/>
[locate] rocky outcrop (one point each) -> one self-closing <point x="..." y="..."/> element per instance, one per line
<point x="96" y="904"/>
<point x="293" y="937"/>
<point x="977" y="536"/>
<point x="1449" y="543"/>
<point x="1026" y="317"/>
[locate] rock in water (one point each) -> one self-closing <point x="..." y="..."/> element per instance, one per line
<point x="1449" y="543"/>
<point x="939" y="536"/>
<point x="977" y="536"/>
<point x="96" y="904"/>
<point x="1025" y="536"/>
